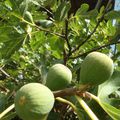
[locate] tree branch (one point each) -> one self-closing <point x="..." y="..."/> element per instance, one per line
<point x="50" y="14"/>
<point x="94" y="30"/>
<point x="108" y="5"/>
<point x="7" y="75"/>
<point x="89" y="36"/>
<point x="95" y="49"/>
<point x="66" y="36"/>
<point x="39" y="28"/>
<point x="67" y="41"/>
<point x="98" y="4"/>
<point x="70" y="91"/>
<point x="3" y="89"/>
<point x="48" y="31"/>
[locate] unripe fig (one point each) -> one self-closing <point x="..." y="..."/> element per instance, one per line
<point x="96" y="68"/>
<point x="34" y="101"/>
<point x="58" y="77"/>
<point x="45" y="23"/>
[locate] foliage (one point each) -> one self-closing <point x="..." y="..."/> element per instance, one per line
<point x="33" y="37"/>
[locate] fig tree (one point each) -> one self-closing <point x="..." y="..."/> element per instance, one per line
<point x="59" y="77"/>
<point x="96" y="68"/>
<point x="34" y="101"/>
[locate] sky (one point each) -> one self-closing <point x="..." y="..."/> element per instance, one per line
<point x="117" y="4"/>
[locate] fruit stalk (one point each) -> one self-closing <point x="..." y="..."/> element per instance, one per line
<point x="66" y="102"/>
<point x="71" y="104"/>
<point x="86" y="108"/>
<point x="7" y="110"/>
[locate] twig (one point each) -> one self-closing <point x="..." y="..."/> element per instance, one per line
<point x="95" y="49"/>
<point x="89" y="36"/>
<point x="65" y="92"/>
<point x="4" y="89"/>
<point x="68" y="43"/>
<point x="48" y="31"/>
<point x="98" y="4"/>
<point x="64" y="56"/>
<point x="108" y="5"/>
<point x="40" y="28"/>
<point x="70" y="91"/>
<point x="66" y="36"/>
<point x="4" y="72"/>
<point x="46" y="10"/>
<point x="7" y="75"/>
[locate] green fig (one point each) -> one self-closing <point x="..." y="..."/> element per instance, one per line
<point x="96" y="68"/>
<point x="58" y="77"/>
<point x="34" y="101"/>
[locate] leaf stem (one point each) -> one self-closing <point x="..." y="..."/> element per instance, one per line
<point x="40" y="28"/>
<point x="9" y="76"/>
<point x="71" y="104"/>
<point x="86" y="108"/>
<point x="93" y="97"/>
<point x="7" y="110"/>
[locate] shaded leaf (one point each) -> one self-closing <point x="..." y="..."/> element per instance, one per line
<point x="17" y="6"/>
<point x="112" y="111"/>
<point x="62" y="10"/>
<point x="11" y="41"/>
<point x="2" y="102"/>
<point x="112" y="15"/>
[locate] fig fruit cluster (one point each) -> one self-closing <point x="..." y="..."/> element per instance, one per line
<point x="34" y="101"/>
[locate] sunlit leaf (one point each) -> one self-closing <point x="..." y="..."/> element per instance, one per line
<point x="3" y="100"/>
<point x="108" y="91"/>
<point x="83" y="9"/>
